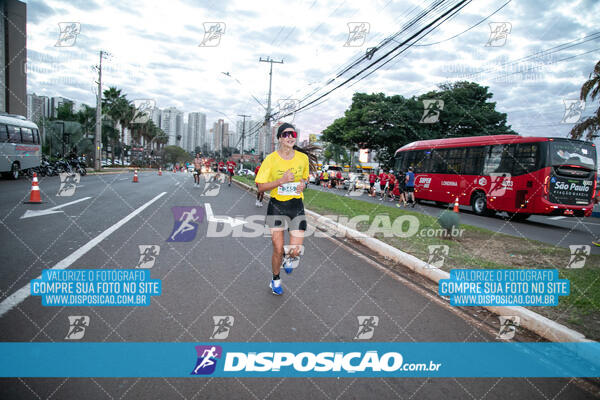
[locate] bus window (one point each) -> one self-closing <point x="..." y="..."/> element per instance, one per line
<point x="428" y="161"/>
<point x="419" y="161"/>
<point x="526" y="156"/>
<point x="3" y="134"/>
<point x="14" y="134"/>
<point x="27" y="135"/>
<point x="496" y="160"/>
<point x="36" y="136"/>
<point x="439" y="164"/>
<point x="398" y="163"/>
<point x="409" y="160"/>
<point x="474" y="161"/>
<point x="456" y="160"/>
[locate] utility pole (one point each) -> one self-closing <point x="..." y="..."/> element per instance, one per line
<point x="98" y="138"/>
<point x="268" y="117"/>
<point x="243" y="133"/>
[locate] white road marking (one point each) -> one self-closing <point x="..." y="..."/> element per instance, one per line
<point x="226" y="220"/>
<point x="21" y="294"/>
<point x="559" y="217"/>
<point x="52" y="210"/>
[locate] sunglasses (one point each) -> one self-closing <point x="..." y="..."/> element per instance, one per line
<point x="288" y="133"/>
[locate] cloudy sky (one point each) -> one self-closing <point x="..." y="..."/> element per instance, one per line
<point x="157" y="52"/>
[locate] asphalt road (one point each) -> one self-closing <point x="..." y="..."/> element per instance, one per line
<point x="557" y="231"/>
<point x="224" y="276"/>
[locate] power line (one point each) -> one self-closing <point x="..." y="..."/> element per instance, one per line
<point x="458" y="6"/>
<point x="466" y="30"/>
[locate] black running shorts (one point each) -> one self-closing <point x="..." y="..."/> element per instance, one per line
<point x="286" y="214"/>
<point x="410" y="189"/>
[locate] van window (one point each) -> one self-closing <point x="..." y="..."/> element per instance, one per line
<point x="27" y="135"/>
<point x="3" y="133"/>
<point x="14" y="134"/>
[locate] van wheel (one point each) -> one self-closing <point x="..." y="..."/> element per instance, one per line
<point x="479" y="204"/>
<point x="15" y="171"/>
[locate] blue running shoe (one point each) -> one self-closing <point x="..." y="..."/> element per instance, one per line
<point x="278" y="290"/>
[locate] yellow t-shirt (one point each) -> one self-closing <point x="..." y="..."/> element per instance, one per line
<point x="273" y="168"/>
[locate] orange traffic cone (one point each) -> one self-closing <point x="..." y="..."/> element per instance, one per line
<point x="456" y="205"/>
<point x="135" y="178"/>
<point x="160" y="172"/>
<point x="34" y="197"/>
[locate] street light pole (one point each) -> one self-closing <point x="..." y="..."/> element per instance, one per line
<point x="98" y="138"/>
<point x="268" y="117"/>
<point x="243" y="132"/>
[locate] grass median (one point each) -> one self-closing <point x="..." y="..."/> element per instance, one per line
<point x="478" y="248"/>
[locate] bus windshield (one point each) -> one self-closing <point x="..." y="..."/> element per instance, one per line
<point x="566" y="152"/>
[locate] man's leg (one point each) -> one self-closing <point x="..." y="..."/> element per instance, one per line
<point x="277" y="236"/>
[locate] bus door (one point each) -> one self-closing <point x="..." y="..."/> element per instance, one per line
<point x="497" y="173"/>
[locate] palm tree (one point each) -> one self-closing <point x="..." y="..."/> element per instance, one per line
<point x="112" y="107"/>
<point x="591" y="124"/>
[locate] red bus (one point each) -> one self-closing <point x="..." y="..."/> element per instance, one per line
<point x="517" y="174"/>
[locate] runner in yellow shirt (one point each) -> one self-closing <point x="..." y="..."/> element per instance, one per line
<point x="285" y="174"/>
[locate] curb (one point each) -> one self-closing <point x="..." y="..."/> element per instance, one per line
<point x="544" y="327"/>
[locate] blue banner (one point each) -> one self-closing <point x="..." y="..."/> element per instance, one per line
<point x="300" y="359"/>
<point x="504" y="287"/>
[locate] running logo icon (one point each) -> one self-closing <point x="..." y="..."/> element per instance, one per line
<point x="288" y="106"/>
<point x="357" y="34"/>
<point x="68" y="33"/>
<point x="573" y="111"/>
<point x="499" y="32"/>
<point x="207" y="359"/>
<point x="77" y="325"/>
<point x="432" y="110"/>
<point x="437" y="255"/>
<point x="68" y="184"/>
<point x="186" y="223"/>
<point x="366" y="326"/>
<point x="223" y="324"/>
<point x="148" y="254"/>
<point x="508" y="327"/>
<point x="212" y="185"/>
<point x="579" y="254"/>
<point x="212" y="34"/>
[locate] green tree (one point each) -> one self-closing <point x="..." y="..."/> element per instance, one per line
<point x="175" y="154"/>
<point x="385" y="123"/>
<point x="591" y="125"/>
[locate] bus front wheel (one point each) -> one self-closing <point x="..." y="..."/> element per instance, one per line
<point x="479" y="204"/>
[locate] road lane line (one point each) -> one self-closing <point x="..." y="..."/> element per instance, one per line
<point x="21" y="294"/>
<point x="559" y="217"/>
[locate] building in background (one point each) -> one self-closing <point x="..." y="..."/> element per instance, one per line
<point x="13" y="56"/>
<point x="185" y="141"/>
<point x="38" y="107"/>
<point x="220" y="135"/>
<point x="197" y="130"/>
<point x="154" y="114"/>
<point x="171" y="122"/>
<point x="56" y="102"/>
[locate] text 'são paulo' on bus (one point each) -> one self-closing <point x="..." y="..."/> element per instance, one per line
<point x="517" y="174"/>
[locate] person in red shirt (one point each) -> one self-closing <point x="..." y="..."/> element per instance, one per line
<point x="383" y="180"/>
<point x="230" y="169"/>
<point x="392" y="185"/>
<point x="372" y="180"/>
<point x="338" y="176"/>
<point x="259" y="195"/>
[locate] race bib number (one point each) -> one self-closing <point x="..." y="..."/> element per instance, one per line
<point x="288" y="189"/>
